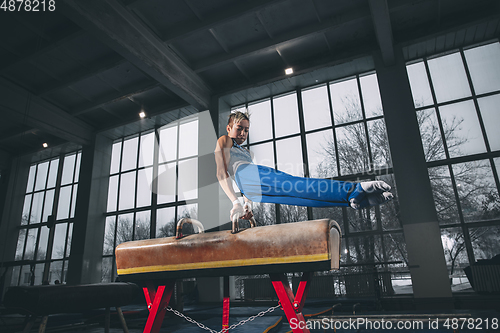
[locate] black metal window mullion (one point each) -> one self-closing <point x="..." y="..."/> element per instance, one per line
<point x="117" y="208"/>
<point x="495" y="173"/>
<point x="365" y="123"/>
<point x="382" y="241"/>
<point x="28" y="222"/>
<point x="65" y="251"/>
<point x="37" y="241"/>
<point x="467" y="238"/>
<point x="39" y="224"/>
<point x="332" y="116"/>
<point x="443" y="140"/>
<point x="71" y="184"/>
<point x="154" y="192"/>
<point x="55" y="207"/>
<point x="476" y="103"/>
<point x="134" y="218"/>
<point x="305" y="159"/>
<point x="345" y="217"/>
<point x="436" y="110"/>
<point x="69" y="223"/>
<point x="50" y="223"/>
<point x="463" y="226"/>
<point x="176" y="212"/>
<point x="271" y="102"/>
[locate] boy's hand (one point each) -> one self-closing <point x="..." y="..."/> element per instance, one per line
<point x="237" y="209"/>
<point x="244" y="212"/>
<point x="248" y="210"/>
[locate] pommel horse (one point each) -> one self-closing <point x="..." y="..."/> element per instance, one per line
<point x="275" y="249"/>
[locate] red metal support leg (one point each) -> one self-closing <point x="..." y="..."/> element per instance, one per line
<point x="302" y="290"/>
<point x="292" y="306"/>
<point x="225" y="305"/>
<point x="157" y="300"/>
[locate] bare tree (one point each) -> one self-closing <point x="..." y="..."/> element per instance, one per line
<point x="168" y="230"/>
<point x="125" y="232"/>
<point x="474" y="184"/>
<point x="264" y="214"/>
<point x="454" y="248"/>
<point x="353" y="146"/>
<point x="292" y="213"/>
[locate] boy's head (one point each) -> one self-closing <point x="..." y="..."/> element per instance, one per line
<point x="238" y="125"/>
<point x="237" y="116"/>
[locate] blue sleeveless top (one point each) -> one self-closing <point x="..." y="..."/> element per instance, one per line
<point x="238" y="156"/>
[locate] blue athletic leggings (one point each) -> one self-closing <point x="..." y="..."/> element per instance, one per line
<point x="263" y="184"/>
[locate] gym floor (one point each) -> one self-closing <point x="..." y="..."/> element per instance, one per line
<point x="349" y="317"/>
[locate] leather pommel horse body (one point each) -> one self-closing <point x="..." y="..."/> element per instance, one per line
<point x="276" y="249"/>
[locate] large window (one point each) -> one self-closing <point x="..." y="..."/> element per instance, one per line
<point x="46" y="227"/>
<point x="153" y="183"/>
<point x="334" y="130"/>
<point x="456" y="97"/>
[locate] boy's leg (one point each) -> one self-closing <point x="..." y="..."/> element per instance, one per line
<point x="264" y="184"/>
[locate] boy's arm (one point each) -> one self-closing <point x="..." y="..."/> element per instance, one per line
<point x="222" y="155"/>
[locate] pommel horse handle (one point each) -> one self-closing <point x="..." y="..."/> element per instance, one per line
<point x="236" y="227"/>
<point x="178" y="232"/>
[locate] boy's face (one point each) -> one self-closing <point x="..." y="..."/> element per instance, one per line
<point x="239" y="131"/>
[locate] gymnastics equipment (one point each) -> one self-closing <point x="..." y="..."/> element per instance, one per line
<point x="274" y="249"/>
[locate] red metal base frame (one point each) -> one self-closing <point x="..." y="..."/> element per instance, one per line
<point x="292" y="305"/>
<point x="225" y="305"/>
<point x="157" y="299"/>
<point x="225" y="314"/>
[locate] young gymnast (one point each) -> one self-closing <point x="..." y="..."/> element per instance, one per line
<point x="260" y="183"/>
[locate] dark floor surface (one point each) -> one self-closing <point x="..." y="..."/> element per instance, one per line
<point x="365" y="319"/>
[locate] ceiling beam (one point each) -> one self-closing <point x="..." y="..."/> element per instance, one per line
<point x="383" y="30"/>
<point x="282" y="39"/>
<point x="315" y="10"/>
<point x="193" y="9"/>
<point x="261" y="21"/>
<point x="422" y="34"/>
<point x="347" y="54"/>
<point x="121" y="30"/>
<point x="220" y="17"/>
<point x="20" y="106"/>
<point x="17" y="133"/>
<point x="85" y="72"/>
<point x="68" y="34"/>
<point x="150" y="113"/>
<point x="114" y="97"/>
<point x="30" y="26"/>
<point x="245" y="74"/>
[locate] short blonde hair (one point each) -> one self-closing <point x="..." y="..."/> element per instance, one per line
<point x="237" y="116"/>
